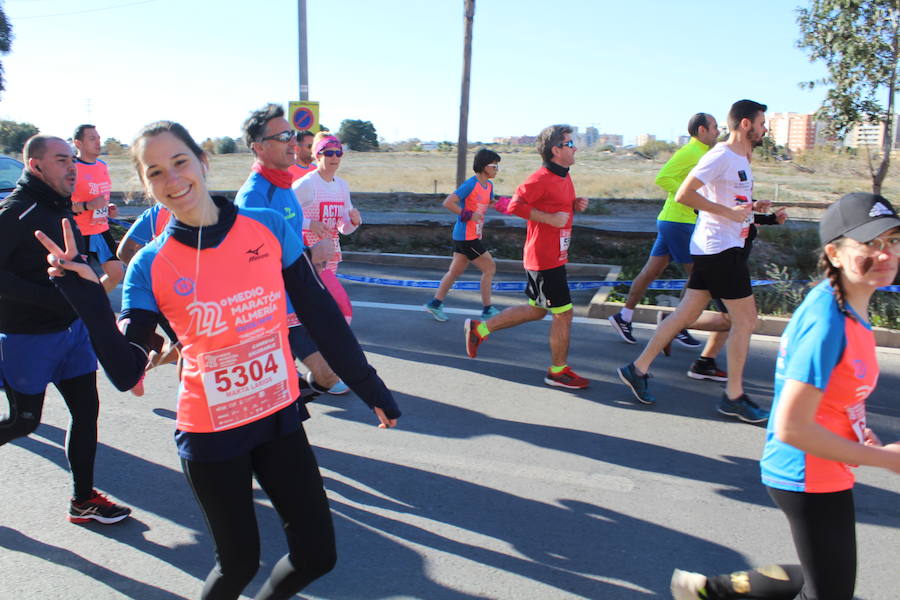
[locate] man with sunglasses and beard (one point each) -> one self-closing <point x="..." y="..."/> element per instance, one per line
<point x="547" y="201"/>
<point x="720" y="187"/>
<point x="274" y="144"/>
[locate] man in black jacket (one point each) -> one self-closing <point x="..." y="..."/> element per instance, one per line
<point x="41" y="339"/>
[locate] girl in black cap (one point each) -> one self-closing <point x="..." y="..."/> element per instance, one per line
<point x="826" y="368"/>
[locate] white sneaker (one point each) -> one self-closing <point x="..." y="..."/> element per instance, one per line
<point x="686" y="585"/>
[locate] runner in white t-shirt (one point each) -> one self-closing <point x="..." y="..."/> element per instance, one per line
<point x="720" y="187"/>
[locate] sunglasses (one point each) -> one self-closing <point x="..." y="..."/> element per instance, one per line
<point x="284" y="136"/>
<point x="569" y="144"/>
<point x="330" y="153"/>
<point x="891" y="244"/>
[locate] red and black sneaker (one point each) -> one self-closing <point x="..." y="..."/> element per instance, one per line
<point x="473" y="338"/>
<point x="567" y="378"/>
<point x="707" y="369"/>
<point x="99" y="508"/>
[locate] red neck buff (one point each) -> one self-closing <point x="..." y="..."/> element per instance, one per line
<point x="276" y="177"/>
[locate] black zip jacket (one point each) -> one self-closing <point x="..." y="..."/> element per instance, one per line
<point x="29" y="302"/>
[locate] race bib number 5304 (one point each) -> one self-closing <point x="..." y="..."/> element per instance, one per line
<point x="244" y="381"/>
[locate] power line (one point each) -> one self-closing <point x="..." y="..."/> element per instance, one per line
<point x="87" y="10"/>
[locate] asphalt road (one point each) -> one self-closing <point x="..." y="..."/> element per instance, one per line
<point x="494" y="485"/>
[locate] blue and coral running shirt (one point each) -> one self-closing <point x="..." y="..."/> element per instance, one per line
<point x="835" y="353"/>
<point x="476" y="197"/>
<point x="259" y="192"/>
<point x="228" y="306"/>
<point x="149" y="225"/>
<point x="92" y="181"/>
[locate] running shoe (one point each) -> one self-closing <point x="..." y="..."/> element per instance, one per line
<point x="707" y="369"/>
<point x="638" y="383"/>
<point x="686" y="585"/>
<point x="567" y="378"/>
<point x="683" y="337"/>
<point x="339" y="389"/>
<point x="743" y="408"/>
<point x="622" y="327"/>
<point x="686" y="339"/>
<point x="493" y="311"/>
<point x="436" y="311"/>
<point x="99" y="508"/>
<point x="473" y="338"/>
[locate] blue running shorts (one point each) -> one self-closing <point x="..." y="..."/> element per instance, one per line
<point x="31" y="361"/>
<point x="673" y="239"/>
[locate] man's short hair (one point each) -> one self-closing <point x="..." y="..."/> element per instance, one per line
<point x="697" y="121"/>
<point x="79" y="131"/>
<point x="302" y="134"/>
<point x="36" y="147"/>
<point x="483" y="158"/>
<point x="550" y="137"/>
<point x="744" y="109"/>
<point x="255" y="125"/>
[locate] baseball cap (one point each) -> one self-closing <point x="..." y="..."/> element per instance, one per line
<point x="860" y="216"/>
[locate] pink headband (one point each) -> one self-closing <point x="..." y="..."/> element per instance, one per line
<point x="327" y="142"/>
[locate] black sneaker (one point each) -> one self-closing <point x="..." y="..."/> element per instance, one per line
<point x="707" y="369"/>
<point x="622" y="327"/>
<point x="743" y="408"/>
<point x="638" y="383"/>
<point x="99" y="508"/>
<point x="686" y="339"/>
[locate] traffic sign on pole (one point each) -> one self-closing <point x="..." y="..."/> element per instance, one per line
<point x="304" y="115"/>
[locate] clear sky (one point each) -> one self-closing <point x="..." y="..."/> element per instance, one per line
<point x="642" y="66"/>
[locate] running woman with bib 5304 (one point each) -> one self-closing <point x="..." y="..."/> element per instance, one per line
<point x="221" y="276"/>
<point x="826" y="368"/>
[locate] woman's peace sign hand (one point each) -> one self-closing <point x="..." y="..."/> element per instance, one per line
<point x="62" y="260"/>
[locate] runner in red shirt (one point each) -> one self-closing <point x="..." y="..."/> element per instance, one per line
<point x="547" y="200"/>
<point x="304" y="163"/>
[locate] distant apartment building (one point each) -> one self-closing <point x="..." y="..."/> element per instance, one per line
<point x="644" y="138"/>
<point x="796" y="131"/>
<point x="872" y="135"/>
<point x="683" y="139"/>
<point x="591" y="135"/>
<point x="610" y="139"/>
<point x="516" y="140"/>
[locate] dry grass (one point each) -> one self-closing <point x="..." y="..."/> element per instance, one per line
<point x="595" y="175"/>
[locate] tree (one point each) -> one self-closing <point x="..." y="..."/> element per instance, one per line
<point x="859" y="44"/>
<point x="113" y="146"/>
<point x="358" y="135"/>
<point x="651" y="149"/>
<point x="209" y="146"/>
<point x="6" y="38"/>
<point x="226" y="145"/>
<point x="13" y="135"/>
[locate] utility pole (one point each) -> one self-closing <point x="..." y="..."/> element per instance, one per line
<point x="304" y="68"/>
<point x="462" y="142"/>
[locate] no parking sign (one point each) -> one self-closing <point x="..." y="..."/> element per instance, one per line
<point x="304" y="115"/>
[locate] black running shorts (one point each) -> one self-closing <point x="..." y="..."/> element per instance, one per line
<point x="471" y="249"/>
<point x="724" y="275"/>
<point x="549" y="289"/>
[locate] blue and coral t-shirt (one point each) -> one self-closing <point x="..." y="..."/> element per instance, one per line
<point x="835" y="353"/>
<point x="150" y="224"/>
<point x="238" y="366"/>
<point x="475" y="197"/>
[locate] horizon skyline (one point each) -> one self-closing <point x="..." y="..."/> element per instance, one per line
<point x="641" y="68"/>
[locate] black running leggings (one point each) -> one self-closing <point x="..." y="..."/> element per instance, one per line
<point x="80" y="395"/>
<point x="287" y="471"/>
<point x="824" y="531"/>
